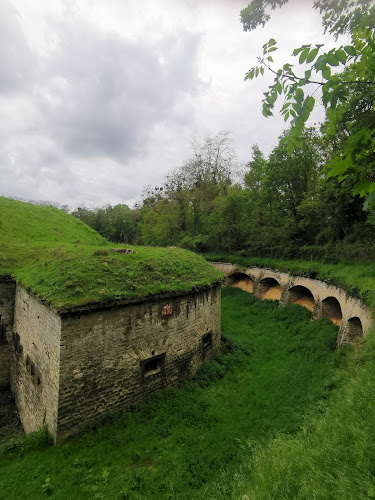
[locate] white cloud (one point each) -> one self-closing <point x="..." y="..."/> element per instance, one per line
<point x="100" y="98"/>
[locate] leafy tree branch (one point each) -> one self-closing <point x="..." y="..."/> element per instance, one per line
<point x="322" y="70"/>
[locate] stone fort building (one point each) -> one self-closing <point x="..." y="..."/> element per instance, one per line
<point x="73" y="352"/>
<point x="70" y="367"/>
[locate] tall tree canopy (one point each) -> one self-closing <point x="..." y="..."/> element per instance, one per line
<point x="345" y="75"/>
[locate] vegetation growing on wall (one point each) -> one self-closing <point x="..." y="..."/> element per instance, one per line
<point x="64" y="262"/>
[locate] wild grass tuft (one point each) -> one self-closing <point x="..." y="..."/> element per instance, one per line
<point x="198" y="441"/>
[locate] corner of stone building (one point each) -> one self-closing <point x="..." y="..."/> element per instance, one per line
<point x="35" y="360"/>
<point x="7" y="301"/>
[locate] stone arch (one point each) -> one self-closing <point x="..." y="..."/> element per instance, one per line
<point x="269" y="288"/>
<point x="301" y="295"/>
<point x="331" y="309"/>
<point x="242" y="281"/>
<point x="354" y="329"/>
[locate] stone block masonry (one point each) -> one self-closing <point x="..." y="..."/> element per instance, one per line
<point x="35" y="359"/>
<point x="69" y="369"/>
<point x="7" y="297"/>
<point x="323" y="300"/>
<point x="114" y="358"/>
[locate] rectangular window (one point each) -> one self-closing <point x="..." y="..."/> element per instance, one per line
<point x="16" y="343"/>
<point x="207" y="341"/>
<point x="3" y="334"/>
<point x="153" y="367"/>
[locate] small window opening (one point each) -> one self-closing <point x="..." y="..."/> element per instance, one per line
<point x="207" y="340"/>
<point x="3" y="337"/>
<point x="16" y="343"/>
<point x="153" y="366"/>
<point x="32" y="371"/>
<point x="38" y="380"/>
<point x="27" y="362"/>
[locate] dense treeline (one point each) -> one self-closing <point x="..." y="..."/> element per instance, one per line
<point x="280" y="206"/>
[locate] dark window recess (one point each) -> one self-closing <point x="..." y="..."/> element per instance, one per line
<point x="16" y="343"/>
<point x="32" y="370"/>
<point x="3" y="334"/>
<point x="207" y="340"/>
<point x="154" y="366"/>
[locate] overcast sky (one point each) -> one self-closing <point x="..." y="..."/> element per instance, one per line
<point x="100" y="98"/>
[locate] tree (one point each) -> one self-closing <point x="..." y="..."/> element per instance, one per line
<point x="186" y="200"/>
<point x="114" y="223"/>
<point x="357" y="64"/>
<point x="340" y="16"/>
<point x="253" y="177"/>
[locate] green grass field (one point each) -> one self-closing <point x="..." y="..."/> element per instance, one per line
<point x="282" y="416"/>
<point x="66" y="263"/>
<point x="200" y="440"/>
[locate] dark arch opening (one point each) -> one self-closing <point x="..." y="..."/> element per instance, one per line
<point x="301" y="295"/>
<point x="331" y="309"/>
<point x="354" y="329"/>
<point x="269" y="288"/>
<point x="242" y="281"/>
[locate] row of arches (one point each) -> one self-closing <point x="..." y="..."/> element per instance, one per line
<point x="270" y="288"/>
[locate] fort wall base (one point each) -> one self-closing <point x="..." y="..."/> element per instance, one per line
<point x="69" y="369"/>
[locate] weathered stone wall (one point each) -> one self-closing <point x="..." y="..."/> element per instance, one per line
<point x="356" y="317"/>
<point x="35" y="361"/>
<point x="104" y="352"/>
<point x="7" y="292"/>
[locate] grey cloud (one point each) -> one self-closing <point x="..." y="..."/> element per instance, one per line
<point x="92" y="102"/>
<point x="105" y="93"/>
<point x="16" y="61"/>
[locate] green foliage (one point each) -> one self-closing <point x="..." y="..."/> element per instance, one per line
<point x="183" y="211"/>
<point x="339" y="17"/>
<point x="191" y="442"/>
<point x="356" y="154"/>
<point x="66" y="263"/>
<point x="333" y="454"/>
<point x="117" y="224"/>
<point x="286" y="206"/>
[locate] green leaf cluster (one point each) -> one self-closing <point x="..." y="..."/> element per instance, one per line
<point x="338" y="74"/>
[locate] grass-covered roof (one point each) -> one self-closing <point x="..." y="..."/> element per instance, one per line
<point x="66" y="263"/>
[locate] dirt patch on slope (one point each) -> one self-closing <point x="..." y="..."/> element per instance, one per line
<point x="336" y="321"/>
<point x="273" y="293"/>
<point x="245" y="285"/>
<point x="306" y="302"/>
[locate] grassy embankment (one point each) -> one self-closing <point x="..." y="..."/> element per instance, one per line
<point x="333" y="456"/>
<point x="240" y="434"/>
<point x="194" y="442"/>
<point x="66" y="263"/>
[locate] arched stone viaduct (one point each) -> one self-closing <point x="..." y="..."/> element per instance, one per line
<point x="323" y="300"/>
